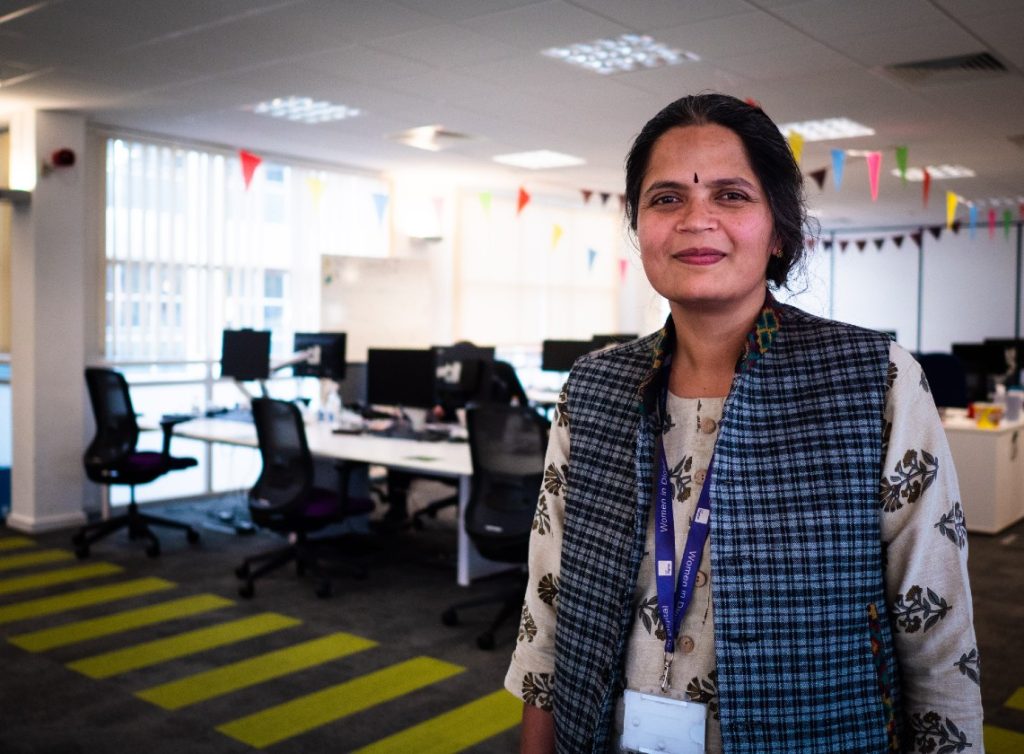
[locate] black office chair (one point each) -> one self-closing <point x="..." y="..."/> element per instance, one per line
<point x="112" y="458"/>
<point x="507" y="445"/>
<point x="285" y="500"/>
<point x="498" y="383"/>
<point x="947" y="378"/>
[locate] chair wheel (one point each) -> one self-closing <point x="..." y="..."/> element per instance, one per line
<point x="246" y="590"/>
<point x="82" y="552"/>
<point x="449" y="617"/>
<point x="193" y="536"/>
<point x="242" y="571"/>
<point x="485" y="641"/>
<point x="153" y="549"/>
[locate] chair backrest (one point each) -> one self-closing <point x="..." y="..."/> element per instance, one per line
<point x="287" y="473"/>
<point x="117" y="430"/>
<point x="507" y="445"/>
<point x="504" y="385"/>
<point x="946" y="377"/>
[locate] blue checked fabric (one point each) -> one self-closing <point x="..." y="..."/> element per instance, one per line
<point x="796" y="552"/>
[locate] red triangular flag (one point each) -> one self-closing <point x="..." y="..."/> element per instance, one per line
<point x="991" y="223"/>
<point x="250" y="162"/>
<point x="819" y="177"/>
<point x="622" y="202"/>
<point x="623" y="268"/>
<point x="524" y="199"/>
<point x="861" y="243"/>
<point x="926" y="188"/>
<point x="587" y="193"/>
<point x="874" y="168"/>
<point x="843" y="245"/>
<point x="917" y="237"/>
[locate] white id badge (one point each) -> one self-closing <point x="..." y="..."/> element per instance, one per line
<point x="659" y="725"/>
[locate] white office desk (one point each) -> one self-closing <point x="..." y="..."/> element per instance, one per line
<point x="448" y="459"/>
<point x="990" y="469"/>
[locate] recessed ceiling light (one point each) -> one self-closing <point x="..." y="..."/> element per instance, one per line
<point x="937" y="172"/>
<point x="828" y="128"/>
<point x="627" y="52"/>
<point x="304" y="110"/>
<point x="430" y="138"/>
<point x="539" y="159"/>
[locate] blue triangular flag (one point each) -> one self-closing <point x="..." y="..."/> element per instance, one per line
<point x="381" y="202"/>
<point x="591" y="256"/>
<point x="838" y="162"/>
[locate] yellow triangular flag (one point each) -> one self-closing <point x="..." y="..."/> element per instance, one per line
<point x="951" y="201"/>
<point x="316" y="189"/>
<point x="796" y="143"/>
<point x="556" y="235"/>
<point x="485" y="201"/>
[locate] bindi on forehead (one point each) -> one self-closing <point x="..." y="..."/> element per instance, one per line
<point x="695" y="178"/>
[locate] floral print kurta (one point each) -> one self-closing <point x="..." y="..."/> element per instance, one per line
<point x="924" y="541"/>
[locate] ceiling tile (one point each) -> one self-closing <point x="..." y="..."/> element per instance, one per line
<point x="543" y="25"/>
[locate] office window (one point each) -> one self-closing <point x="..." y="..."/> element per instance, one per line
<point x="190" y="250"/>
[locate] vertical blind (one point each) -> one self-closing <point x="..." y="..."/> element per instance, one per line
<point x="190" y="250"/>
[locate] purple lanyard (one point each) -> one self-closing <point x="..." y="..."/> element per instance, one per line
<point x="673" y="592"/>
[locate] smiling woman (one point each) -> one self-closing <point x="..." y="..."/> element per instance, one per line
<point x="764" y="437"/>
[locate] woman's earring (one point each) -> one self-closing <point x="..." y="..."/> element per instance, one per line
<point x="777" y="252"/>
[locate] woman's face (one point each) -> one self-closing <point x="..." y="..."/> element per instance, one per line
<point x="703" y="223"/>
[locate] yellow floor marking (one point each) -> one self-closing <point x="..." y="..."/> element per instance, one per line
<point x="15" y="543"/>
<point x="313" y="710"/>
<point x="58" y="576"/>
<point x="1003" y="741"/>
<point x="190" y="642"/>
<point x="96" y="595"/>
<point x="455" y="730"/>
<point x="1016" y="700"/>
<point x="38" y="557"/>
<point x="71" y="633"/>
<point x="246" y="673"/>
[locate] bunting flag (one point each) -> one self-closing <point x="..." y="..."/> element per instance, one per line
<point x="838" y="163"/>
<point x="316" y="189"/>
<point x="556" y="235"/>
<point x="926" y="188"/>
<point x="874" y="168"/>
<point x="826" y="245"/>
<point x="1020" y="210"/>
<point x="992" y="222"/>
<point x="951" y="201"/>
<point x="898" y="240"/>
<point x="972" y="219"/>
<point x="796" y="144"/>
<point x="381" y="201"/>
<point x="250" y="162"/>
<point x="936" y="231"/>
<point x="752" y="102"/>
<point x="861" y="243"/>
<point x="1007" y="219"/>
<point x="485" y="201"/>
<point x="587" y="193"/>
<point x="591" y="258"/>
<point x="605" y="196"/>
<point x="917" y="237"/>
<point x="622" y="202"/>
<point x="901" y="162"/>
<point x="524" y="199"/>
<point x="879" y="243"/>
<point x="623" y="269"/>
<point x="819" y="177"/>
<point x="843" y="245"/>
<point x="956" y="226"/>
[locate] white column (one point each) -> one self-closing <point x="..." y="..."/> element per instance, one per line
<point x="49" y="320"/>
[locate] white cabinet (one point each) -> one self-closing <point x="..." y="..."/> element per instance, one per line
<point x="990" y="467"/>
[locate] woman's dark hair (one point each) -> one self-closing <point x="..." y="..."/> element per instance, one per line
<point x="769" y="155"/>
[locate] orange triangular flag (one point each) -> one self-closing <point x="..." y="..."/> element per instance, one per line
<point x="874" y="168"/>
<point x="524" y="199"/>
<point x="250" y="162"/>
<point x="926" y="188"/>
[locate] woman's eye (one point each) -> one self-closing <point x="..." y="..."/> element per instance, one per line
<point x="734" y="196"/>
<point x="665" y="199"/>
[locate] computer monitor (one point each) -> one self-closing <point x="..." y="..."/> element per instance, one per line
<point x="330" y="363"/>
<point x="245" y="354"/>
<point x="1010" y="353"/>
<point x="400" y="377"/>
<point x="559" y="355"/>
<point x="459" y="372"/>
<point x="603" y="340"/>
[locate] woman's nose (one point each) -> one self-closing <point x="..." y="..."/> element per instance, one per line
<point x="696" y="216"/>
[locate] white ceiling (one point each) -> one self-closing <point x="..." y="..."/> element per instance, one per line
<point x="188" y="68"/>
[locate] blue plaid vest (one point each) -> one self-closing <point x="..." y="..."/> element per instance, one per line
<point x="804" y="651"/>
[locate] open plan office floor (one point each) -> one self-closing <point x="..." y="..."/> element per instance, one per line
<point x="162" y="655"/>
